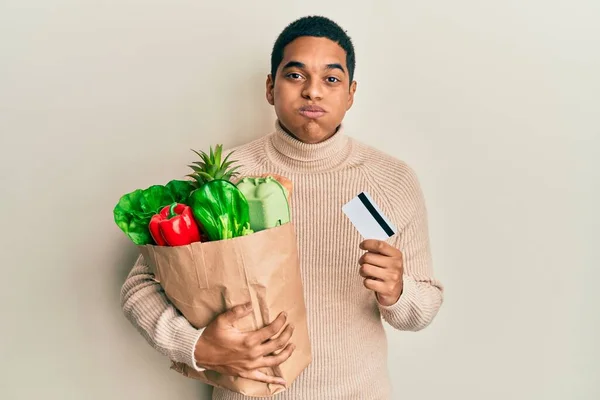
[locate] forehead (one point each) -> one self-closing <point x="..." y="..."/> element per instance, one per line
<point x="315" y="52"/>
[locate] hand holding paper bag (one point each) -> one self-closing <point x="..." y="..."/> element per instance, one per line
<point x="225" y="349"/>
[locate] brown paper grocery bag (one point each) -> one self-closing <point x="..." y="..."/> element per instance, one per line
<point x="204" y="279"/>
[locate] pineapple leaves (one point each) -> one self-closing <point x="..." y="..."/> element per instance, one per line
<point x="217" y="156"/>
<point x="213" y="166"/>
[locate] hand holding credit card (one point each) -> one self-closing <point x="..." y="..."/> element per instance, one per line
<point x="381" y="265"/>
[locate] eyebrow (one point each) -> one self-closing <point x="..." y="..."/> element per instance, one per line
<point x="298" y="64"/>
<point x="336" y="66"/>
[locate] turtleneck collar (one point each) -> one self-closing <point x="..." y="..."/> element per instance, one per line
<point x="291" y="153"/>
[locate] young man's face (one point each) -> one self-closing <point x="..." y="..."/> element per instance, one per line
<point x="312" y="90"/>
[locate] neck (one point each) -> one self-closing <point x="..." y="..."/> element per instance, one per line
<point x="291" y="153"/>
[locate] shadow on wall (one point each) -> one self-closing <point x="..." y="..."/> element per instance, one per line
<point x="126" y="257"/>
<point x="251" y="115"/>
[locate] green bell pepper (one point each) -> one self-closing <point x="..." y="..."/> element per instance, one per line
<point x="221" y="209"/>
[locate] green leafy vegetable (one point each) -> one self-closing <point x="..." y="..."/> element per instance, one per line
<point x="134" y="210"/>
<point x="154" y="198"/>
<point x="180" y="190"/>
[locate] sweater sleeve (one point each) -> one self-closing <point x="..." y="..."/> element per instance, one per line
<point x="422" y="294"/>
<point x="146" y="306"/>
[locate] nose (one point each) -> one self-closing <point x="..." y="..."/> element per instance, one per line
<point x="312" y="90"/>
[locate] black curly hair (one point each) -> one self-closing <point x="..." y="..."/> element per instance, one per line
<point x="316" y="26"/>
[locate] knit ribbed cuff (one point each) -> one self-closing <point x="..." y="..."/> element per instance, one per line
<point x="186" y="340"/>
<point x="401" y="313"/>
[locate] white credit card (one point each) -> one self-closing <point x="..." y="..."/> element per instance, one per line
<point x="367" y="218"/>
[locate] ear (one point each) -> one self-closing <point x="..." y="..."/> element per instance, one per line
<point x="270" y="86"/>
<point x="351" y="95"/>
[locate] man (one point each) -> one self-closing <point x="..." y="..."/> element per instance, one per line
<point x="350" y="285"/>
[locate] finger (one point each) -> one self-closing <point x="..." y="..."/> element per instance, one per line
<point x="380" y="247"/>
<point x="262" y="377"/>
<point x="376" y="286"/>
<point x="279" y="342"/>
<point x="278" y="359"/>
<point x="372" y="271"/>
<point x="237" y="312"/>
<point x="378" y="260"/>
<point x="264" y="334"/>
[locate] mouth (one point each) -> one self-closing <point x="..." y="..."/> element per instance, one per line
<point x="312" y="112"/>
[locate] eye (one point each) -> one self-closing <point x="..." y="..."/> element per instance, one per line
<point x="294" y="75"/>
<point x="332" y="79"/>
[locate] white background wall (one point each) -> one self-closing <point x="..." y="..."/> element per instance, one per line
<point x="495" y="104"/>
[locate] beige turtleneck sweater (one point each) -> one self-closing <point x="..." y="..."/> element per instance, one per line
<point x="344" y="318"/>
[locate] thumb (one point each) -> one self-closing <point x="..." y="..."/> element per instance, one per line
<point x="237" y="312"/>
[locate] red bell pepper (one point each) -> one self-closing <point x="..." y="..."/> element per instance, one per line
<point x="174" y="226"/>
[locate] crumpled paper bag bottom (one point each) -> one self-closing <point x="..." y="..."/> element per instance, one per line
<point x="203" y="280"/>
